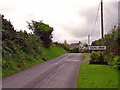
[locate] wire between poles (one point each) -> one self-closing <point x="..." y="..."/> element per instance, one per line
<point x="96" y="19"/>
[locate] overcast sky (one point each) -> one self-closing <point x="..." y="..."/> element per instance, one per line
<point x="72" y="20"/>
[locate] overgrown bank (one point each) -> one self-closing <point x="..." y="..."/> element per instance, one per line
<point x="23" y="60"/>
<point x="21" y="50"/>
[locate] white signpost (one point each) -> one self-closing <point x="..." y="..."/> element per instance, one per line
<point x="97" y="48"/>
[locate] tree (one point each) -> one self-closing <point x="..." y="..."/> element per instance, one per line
<point x="44" y="31"/>
<point x="65" y="42"/>
<point x="8" y="32"/>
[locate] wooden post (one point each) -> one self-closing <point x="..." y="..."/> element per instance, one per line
<point x="102" y="20"/>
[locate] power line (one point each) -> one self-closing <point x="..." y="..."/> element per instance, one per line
<point x="96" y="18"/>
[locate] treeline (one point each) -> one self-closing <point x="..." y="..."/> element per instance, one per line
<point x="20" y="49"/>
<point x="112" y="42"/>
<point x="76" y="49"/>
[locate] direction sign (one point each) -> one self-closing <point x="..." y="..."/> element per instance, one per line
<point x="97" y="47"/>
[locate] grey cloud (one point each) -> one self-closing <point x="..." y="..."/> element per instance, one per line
<point x="89" y="14"/>
<point x="81" y="32"/>
<point x="110" y="15"/>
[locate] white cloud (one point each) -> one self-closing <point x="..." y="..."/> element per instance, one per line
<point x="67" y="17"/>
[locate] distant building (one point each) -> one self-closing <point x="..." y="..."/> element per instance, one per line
<point x="74" y="45"/>
<point x="77" y="45"/>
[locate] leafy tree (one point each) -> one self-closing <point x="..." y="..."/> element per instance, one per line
<point x="44" y="31"/>
<point x="8" y="32"/>
<point x="65" y="42"/>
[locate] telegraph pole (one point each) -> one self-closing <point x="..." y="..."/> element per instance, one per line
<point x="102" y="20"/>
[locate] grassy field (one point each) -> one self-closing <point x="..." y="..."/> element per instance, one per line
<point x="97" y="76"/>
<point x="48" y="54"/>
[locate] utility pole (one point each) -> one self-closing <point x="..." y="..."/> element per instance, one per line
<point x="102" y="20"/>
<point x="88" y="40"/>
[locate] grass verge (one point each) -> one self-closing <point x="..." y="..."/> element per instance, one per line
<point x="83" y="58"/>
<point x="97" y="76"/>
<point x="89" y="54"/>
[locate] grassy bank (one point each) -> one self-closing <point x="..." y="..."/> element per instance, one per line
<point x="53" y="51"/>
<point x="28" y="60"/>
<point x="97" y="76"/>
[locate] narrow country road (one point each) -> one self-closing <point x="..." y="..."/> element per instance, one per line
<point x="60" y="72"/>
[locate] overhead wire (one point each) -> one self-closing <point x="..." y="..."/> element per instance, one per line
<point x="96" y="19"/>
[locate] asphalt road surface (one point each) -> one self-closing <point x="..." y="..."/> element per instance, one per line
<point x="60" y="72"/>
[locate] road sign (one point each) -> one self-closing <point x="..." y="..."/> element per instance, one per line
<point x="97" y="47"/>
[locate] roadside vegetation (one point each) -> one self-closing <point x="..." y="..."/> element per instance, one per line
<point x="89" y="54"/>
<point x="102" y="70"/>
<point x="97" y="76"/>
<point x="112" y="42"/>
<point x="21" y="50"/>
<point x="83" y="58"/>
<point x="64" y="45"/>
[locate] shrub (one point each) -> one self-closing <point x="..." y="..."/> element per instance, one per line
<point x="97" y="58"/>
<point x="115" y="63"/>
